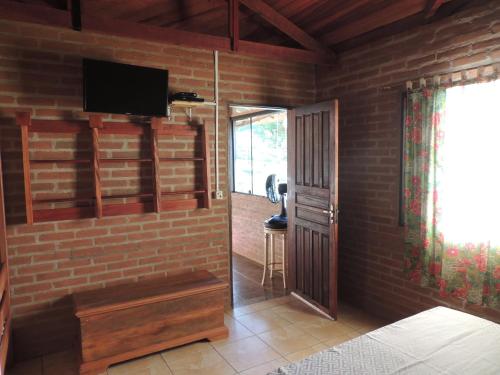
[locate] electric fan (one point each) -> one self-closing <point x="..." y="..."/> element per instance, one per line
<point x="273" y="190"/>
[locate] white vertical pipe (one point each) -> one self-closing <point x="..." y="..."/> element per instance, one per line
<point x="216" y="99"/>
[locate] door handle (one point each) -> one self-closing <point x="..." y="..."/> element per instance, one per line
<point x="333" y="214"/>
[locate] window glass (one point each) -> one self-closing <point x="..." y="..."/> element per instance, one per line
<point x="268" y="149"/>
<point x="242" y="151"/>
<point x="259" y="149"/>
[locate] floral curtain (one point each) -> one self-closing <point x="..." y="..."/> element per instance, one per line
<point x="450" y="239"/>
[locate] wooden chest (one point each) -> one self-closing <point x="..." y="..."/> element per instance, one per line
<point x="128" y="321"/>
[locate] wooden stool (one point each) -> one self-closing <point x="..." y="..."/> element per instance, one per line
<point x="269" y="265"/>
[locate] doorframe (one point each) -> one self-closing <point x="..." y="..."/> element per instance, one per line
<point x="230" y="175"/>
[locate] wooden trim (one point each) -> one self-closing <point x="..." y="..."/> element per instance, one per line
<point x="4" y="344"/>
<point x="67" y="213"/>
<point x="95" y="123"/>
<point x="99" y="366"/>
<point x="24" y="121"/>
<point x="207" y="183"/>
<point x="234" y="24"/>
<point x="95" y="23"/>
<point x="286" y="26"/>
<point x="155" y="125"/>
<point x="15" y="11"/>
<point x="334" y="201"/>
<point x="291" y="166"/>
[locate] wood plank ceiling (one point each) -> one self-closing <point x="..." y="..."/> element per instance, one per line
<point x="320" y="26"/>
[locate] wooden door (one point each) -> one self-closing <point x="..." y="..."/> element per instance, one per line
<point x="5" y="318"/>
<point x="313" y="204"/>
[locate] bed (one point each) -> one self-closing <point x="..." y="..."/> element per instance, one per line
<point x="436" y="341"/>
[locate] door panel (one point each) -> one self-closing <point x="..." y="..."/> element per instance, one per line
<point x="312" y="204"/>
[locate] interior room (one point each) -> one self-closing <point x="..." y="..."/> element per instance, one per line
<point x="254" y="187"/>
<point x="258" y="165"/>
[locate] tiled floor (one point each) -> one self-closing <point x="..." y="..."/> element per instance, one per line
<point x="247" y="277"/>
<point x="263" y="336"/>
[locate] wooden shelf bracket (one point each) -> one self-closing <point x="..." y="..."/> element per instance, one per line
<point x="95" y="123"/>
<point x="23" y="119"/>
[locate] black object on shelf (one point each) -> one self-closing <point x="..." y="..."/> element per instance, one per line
<point x="187" y="97"/>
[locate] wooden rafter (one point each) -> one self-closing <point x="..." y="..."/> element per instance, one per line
<point x="75" y="8"/>
<point x="234" y="23"/>
<point x="392" y="12"/>
<point x="431" y="7"/>
<point x="331" y="13"/>
<point x="285" y="25"/>
<point x="16" y="11"/>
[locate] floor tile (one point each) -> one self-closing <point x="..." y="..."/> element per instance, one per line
<point x="151" y="365"/>
<point x="265" y="367"/>
<point x="262" y="321"/>
<point x="336" y="341"/>
<point x="197" y="359"/>
<point x="323" y="328"/>
<point x="186" y="351"/>
<point x="246" y="353"/>
<point x="247" y="276"/>
<point x="290" y="339"/>
<point x="300" y="355"/>
<point x="237" y="331"/>
<point x="295" y="311"/>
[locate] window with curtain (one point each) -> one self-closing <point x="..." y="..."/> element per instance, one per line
<point x="259" y="149"/>
<point x="452" y="191"/>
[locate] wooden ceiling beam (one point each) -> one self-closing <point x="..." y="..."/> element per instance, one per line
<point x="75" y="7"/>
<point x="431" y="7"/>
<point x="198" y="13"/>
<point x="332" y="12"/>
<point x="384" y="16"/>
<point x="234" y="23"/>
<point x="285" y="26"/>
<point x="15" y="11"/>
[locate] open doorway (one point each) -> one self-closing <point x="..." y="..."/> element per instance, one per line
<point x="258" y="150"/>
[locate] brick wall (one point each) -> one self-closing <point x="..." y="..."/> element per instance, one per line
<point x="369" y="82"/>
<point x="40" y="72"/>
<point x="248" y="213"/>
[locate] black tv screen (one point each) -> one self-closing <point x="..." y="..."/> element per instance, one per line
<point x="125" y="89"/>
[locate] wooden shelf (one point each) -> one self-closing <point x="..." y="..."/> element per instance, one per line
<point x="63" y="161"/>
<point x="182" y="159"/>
<point x="96" y="127"/>
<point x="183" y="192"/>
<point x="122" y="196"/>
<point x="59" y="200"/>
<point x="186" y="104"/>
<point x="120" y="160"/>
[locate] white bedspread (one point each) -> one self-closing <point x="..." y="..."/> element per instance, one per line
<point x="436" y="341"/>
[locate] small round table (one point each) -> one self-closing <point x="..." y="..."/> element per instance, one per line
<point x="270" y="235"/>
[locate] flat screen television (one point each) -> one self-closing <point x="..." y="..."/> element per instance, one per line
<point x="110" y="87"/>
